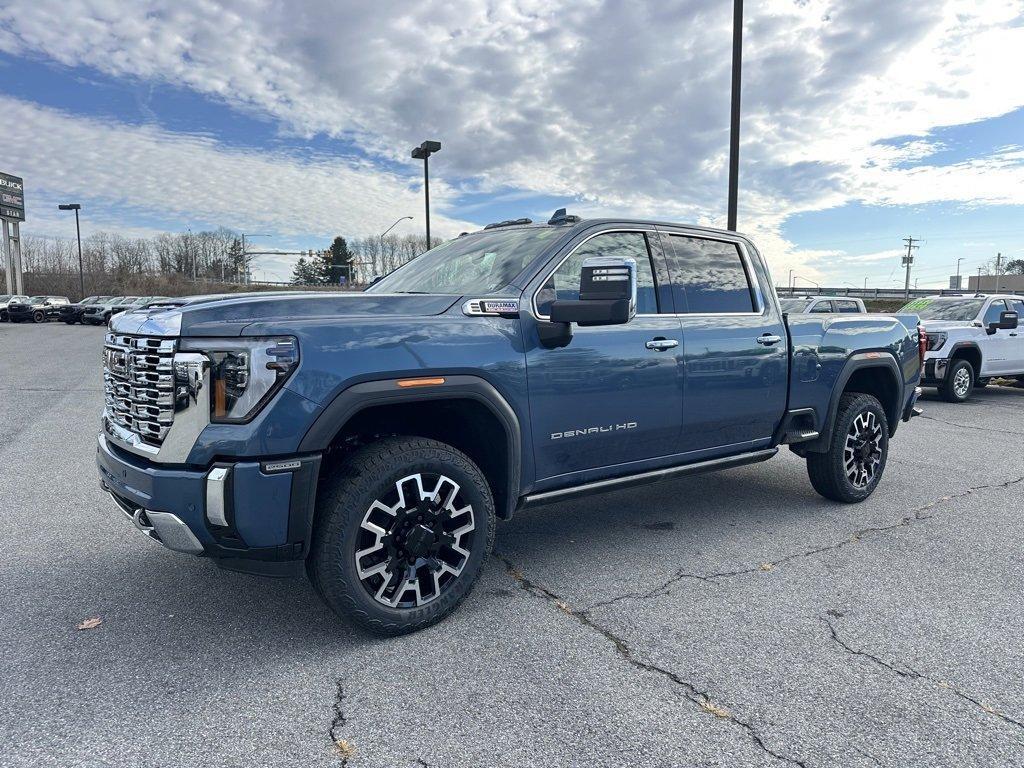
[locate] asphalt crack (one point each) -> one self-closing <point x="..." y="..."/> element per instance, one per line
<point x="909" y="673"/>
<point x="342" y="747"/>
<point x="702" y="699"/>
<point x="969" y="426"/>
<point x="915" y="516"/>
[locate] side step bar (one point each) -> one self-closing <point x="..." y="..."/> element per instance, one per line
<point x="644" y="478"/>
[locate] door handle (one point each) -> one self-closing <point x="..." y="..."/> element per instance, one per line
<point x="661" y="345"/>
<point x="768" y="339"/>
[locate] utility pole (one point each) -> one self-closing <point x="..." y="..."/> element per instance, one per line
<point x="865" y="283"/>
<point x="734" y="117"/>
<point x="908" y="260"/>
<point x="791" y="281"/>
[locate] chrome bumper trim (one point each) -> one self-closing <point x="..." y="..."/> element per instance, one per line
<point x="163" y="527"/>
<point x="216" y="509"/>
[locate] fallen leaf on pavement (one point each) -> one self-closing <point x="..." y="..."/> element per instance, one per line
<point x="92" y="623"/>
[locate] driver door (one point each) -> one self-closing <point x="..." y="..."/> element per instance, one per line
<point x="613" y="395"/>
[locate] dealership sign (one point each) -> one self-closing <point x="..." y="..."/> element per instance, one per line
<point x="12" y="197"/>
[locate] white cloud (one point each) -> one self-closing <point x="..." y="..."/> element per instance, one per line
<point x="197" y="180"/>
<point x="622" y="105"/>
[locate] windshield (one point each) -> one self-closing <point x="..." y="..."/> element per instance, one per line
<point x="37" y="299"/>
<point x="478" y="263"/>
<point x="794" y="305"/>
<point x="957" y="309"/>
<point x="5" y="297"/>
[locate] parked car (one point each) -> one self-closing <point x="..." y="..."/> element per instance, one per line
<point x="100" y="312"/>
<point x="139" y="302"/>
<point x="6" y="299"/>
<point x="72" y="313"/>
<point x="372" y="439"/>
<point x="970" y="339"/>
<point x="796" y="305"/>
<point x="38" y="309"/>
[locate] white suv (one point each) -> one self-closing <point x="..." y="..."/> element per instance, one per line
<point x="970" y="340"/>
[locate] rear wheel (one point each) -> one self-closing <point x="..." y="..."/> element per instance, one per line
<point x="853" y="465"/>
<point x="959" y="381"/>
<point x="403" y="528"/>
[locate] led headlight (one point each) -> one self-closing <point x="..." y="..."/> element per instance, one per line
<point x="936" y="340"/>
<point x="245" y="373"/>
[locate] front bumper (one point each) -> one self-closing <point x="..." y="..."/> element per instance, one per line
<point x="934" y="370"/>
<point x="254" y="516"/>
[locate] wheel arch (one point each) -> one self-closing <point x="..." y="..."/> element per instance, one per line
<point x="969" y="351"/>
<point x="872" y="373"/>
<point x="464" y="411"/>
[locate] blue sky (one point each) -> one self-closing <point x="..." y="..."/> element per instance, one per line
<point x="862" y="125"/>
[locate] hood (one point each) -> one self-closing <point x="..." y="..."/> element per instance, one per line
<point x="946" y="325"/>
<point x="228" y="315"/>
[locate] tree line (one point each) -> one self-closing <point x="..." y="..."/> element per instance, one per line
<point x="183" y="263"/>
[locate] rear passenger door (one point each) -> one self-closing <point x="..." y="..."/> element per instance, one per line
<point x="736" y="358"/>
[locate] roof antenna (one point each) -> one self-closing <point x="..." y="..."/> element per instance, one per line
<point x="561" y="217"/>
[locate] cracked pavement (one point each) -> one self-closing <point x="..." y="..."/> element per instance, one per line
<point x="735" y="619"/>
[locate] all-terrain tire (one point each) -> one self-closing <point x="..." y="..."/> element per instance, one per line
<point x="959" y="382"/>
<point x="830" y="472"/>
<point x="369" y="474"/>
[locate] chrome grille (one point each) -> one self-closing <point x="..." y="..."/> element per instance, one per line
<point x="138" y="384"/>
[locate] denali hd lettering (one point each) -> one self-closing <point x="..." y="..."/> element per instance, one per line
<point x="592" y="430"/>
<point x="372" y="441"/>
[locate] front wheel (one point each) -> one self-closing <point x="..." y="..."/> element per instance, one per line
<point x="38" y="316"/>
<point x="959" y="382"/>
<point x="402" y="532"/>
<point x="853" y="465"/>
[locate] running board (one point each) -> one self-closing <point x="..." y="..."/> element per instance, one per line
<point x="644" y="478"/>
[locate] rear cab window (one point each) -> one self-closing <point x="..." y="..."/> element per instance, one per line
<point x="708" y="276"/>
<point x="845" y="305"/>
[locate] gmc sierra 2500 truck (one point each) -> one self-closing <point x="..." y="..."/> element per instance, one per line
<point x="373" y="438"/>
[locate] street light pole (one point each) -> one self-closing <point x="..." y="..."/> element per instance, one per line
<point x="734" y="122"/>
<point x="76" y="207"/>
<point x="958" y="271"/>
<point x="423" y="152"/>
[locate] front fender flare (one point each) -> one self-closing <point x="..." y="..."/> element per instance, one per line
<point x="368" y="394"/>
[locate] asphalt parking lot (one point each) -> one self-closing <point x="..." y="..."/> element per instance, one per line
<point x="735" y="619"/>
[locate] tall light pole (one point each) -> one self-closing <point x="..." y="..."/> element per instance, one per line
<point x="423" y="152"/>
<point x="390" y="228"/>
<point x="958" y="271"/>
<point x="734" y="122"/>
<point x="76" y="207"/>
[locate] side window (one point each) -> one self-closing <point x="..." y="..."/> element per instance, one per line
<point x="843" y="305"/>
<point x="708" y="276"/>
<point x="997" y="307"/>
<point x="821" y="307"/>
<point x="1017" y="305"/>
<point x="564" y="282"/>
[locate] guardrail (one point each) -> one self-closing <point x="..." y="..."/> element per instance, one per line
<point x="881" y="293"/>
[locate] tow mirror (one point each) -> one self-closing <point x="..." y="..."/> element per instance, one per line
<point x="1007" y="322"/>
<point x="607" y="294"/>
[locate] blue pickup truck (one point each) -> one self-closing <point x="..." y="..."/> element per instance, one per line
<point x="372" y="439"/>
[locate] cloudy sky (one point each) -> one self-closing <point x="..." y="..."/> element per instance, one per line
<point x="864" y="121"/>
